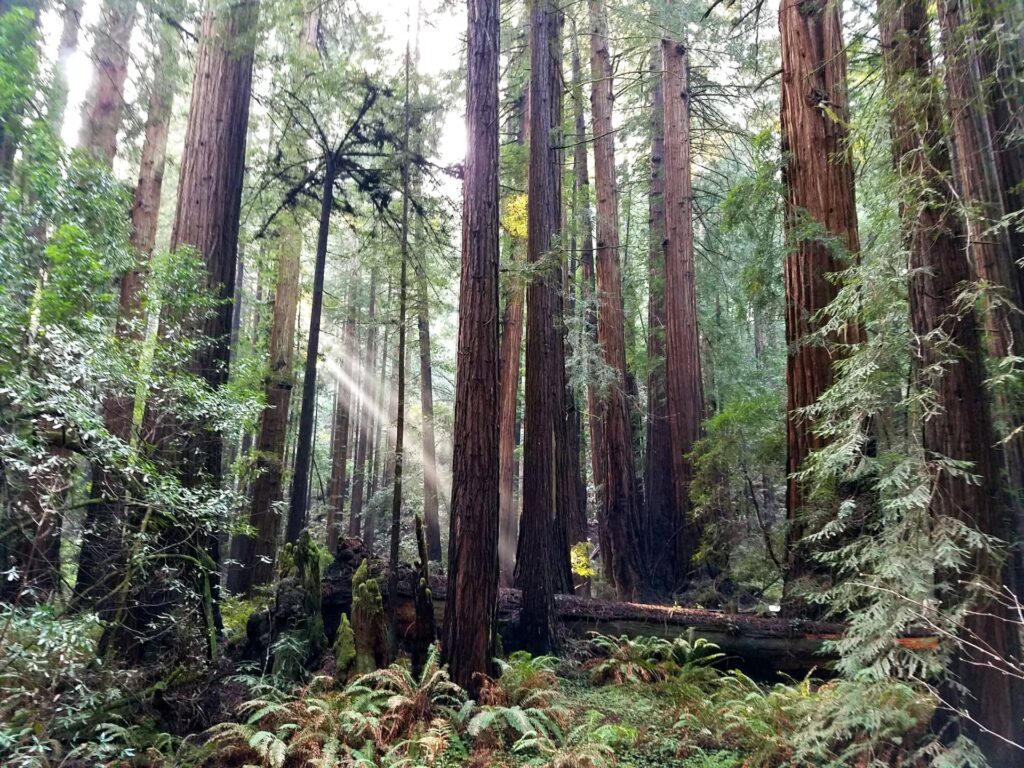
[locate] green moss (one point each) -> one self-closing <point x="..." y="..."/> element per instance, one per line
<point x="344" y="648"/>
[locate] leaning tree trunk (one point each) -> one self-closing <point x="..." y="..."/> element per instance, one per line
<point x="104" y="104"/>
<point x="960" y="429"/>
<point x="820" y="212"/>
<point x="621" y="498"/>
<point x="545" y="391"/>
<point x="684" y="390"/>
<point x="468" y="633"/>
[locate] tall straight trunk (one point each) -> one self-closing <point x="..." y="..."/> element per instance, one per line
<point x="104" y="104"/>
<point x="379" y="446"/>
<point x="298" y="508"/>
<point x="469" y="620"/>
<point x="979" y="175"/>
<point x="367" y="406"/>
<point x="663" y="516"/>
<point x="70" y="30"/>
<point x="585" y="238"/>
<point x="101" y="535"/>
<point x="207" y="218"/>
<point x="545" y="391"/>
<point x="819" y="195"/>
<point x="684" y="390"/>
<point x="342" y="427"/>
<point x="621" y="499"/>
<point x="961" y="428"/>
<point x="431" y="520"/>
<point x="509" y="380"/>
<point x="399" y="460"/>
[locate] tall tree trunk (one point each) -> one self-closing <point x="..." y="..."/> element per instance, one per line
<point x="72" y="18"/>
<point x="961" y="428"/>
<point x="366" y="409"/>
<point x="469" y="629"/>
<point x="101" y="536"/>
<point x="684" y="390"/>
<point x="342" y="427"/>
<point x="431" y="520"/>
<point x="298" y="508"/>
<point x="663" y="517"/>
<point x="819" y="194"/>
<point x="104" y="104"/>
<point x="545" y="390"/>
<point x="621" y="499"/>
<point x="207" y="218"/>
<point x="980" y="177"/>
<point x="378" y="446"/>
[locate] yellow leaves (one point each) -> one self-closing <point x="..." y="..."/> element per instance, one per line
<point x="514" y="220"/>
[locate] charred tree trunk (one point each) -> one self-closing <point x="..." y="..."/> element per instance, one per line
<point x="819" y="212"/>
<point x="621" y="498"/>
<point x="104" y="104"/>
<point x="468" y="634"/>
<point x="961" y="428"/>
<point x="684" y="390"/>
<point x="545" y="390"/>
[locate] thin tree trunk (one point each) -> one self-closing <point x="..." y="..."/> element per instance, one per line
<point x="961" y="428"/>
<point x="104" y="104"/>
<point x="70" y="30"/>
<point x="545" y="390"/>
<point x="366" y="399"/>
<point x="342" y="427"/>
<point x="621" y="498"/>
<point x="298" y="508"/>
<point x="431" y="520"/>
<point x="468" y="632"/>
<point x="684" y="389"/>
<point x="819" y="194"/>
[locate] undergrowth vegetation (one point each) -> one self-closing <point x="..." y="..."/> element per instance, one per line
<point x="612" y="701"/>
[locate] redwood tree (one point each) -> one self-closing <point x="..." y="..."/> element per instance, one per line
<point x="621" y="498"/>
<point x="684" y="390"/>
<point x="468" y="634"/>
<point x="819" y="212"/>
<point x="961" y="428"/>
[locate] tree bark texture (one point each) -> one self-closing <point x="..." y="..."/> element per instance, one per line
<point x="820" y="222"/>
<point x="468" y="633"/>
<point x="685" y="396"/>
<point x="431" y="520"/>
<point x="961" y="428"/>
<point x="545" y="390"/>
<point x="621" y="498"/>
<point x="343" y="419"/>
<point x="366" y="407"/>
<point x="104" y="103"/>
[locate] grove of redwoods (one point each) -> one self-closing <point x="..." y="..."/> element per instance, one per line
<point x="328" y="429"/>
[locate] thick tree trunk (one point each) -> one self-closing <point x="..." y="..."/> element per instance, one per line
<point x="104" y="104"/>
<point x="207" y="218"/>
<point x="468" y="633"/>
<point x="298" y="508"/>
<point x="684" y="390"/>
<point x="961" y="428"/>
<point x="366" y="409"/>
<point x="101" y="536"/>
<point x="539" y="532"/>
<point x="663" y="517"/>
<point x="621" y="498"/>
<point x="819" y="195"/>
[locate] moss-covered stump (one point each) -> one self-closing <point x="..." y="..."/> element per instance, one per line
<point x="297" y="633"/>
<point x="369" y="626"/>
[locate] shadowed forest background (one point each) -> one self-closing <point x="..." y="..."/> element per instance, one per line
<point x="512" y="382"/>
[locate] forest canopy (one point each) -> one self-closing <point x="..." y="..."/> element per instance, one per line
<point x="512" y="382"/>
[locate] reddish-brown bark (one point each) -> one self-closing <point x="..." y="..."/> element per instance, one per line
<point x="820" y="223"/>
<point x="621" y="499"/>
<point x="104" y="104"/>
<point x="468" y="633"/>
<point x="684" y="389"/>
<point x="511" y="373"/>
<point x="545" y="390"/>
<point x="961" y="428"/>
